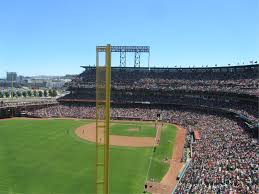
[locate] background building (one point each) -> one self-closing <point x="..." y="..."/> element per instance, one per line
<point x="11" y="76"/>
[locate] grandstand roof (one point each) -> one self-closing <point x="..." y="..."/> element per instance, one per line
<point x="183" y="68"/>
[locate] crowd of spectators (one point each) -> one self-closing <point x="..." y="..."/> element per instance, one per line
<point x="232" y="88"/>
<point x="249" y="110"/>
<point x="244" y="86"/>
<point x="27" y="102"/>
<point x="243" y="81"/>
<point x="224" y="160"/>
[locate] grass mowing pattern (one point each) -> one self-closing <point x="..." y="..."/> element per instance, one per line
<point x="45" y="157"/>
<point x="158" y="168"/>
<point x="143" y="130"/>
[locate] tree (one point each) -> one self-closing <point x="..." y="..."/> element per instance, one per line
<point x="54" y="93"/>
<point x="29" y="93"/>
<point x="7" y="95"/>
<point x="24" y="94"/>
<point x="40" y="93"/>
<point x="1" y="95"/>
<point x="34" y="93"/>
<point x="13" y="94"/>
<point x="18" y="94"/>
<point x="50" y="92"/>
<point x="45" y="93"/>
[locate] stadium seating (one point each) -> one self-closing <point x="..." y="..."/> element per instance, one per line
<point x="220" y="104"/>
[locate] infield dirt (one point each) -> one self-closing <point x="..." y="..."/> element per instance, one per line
<point x="88" y="132"/>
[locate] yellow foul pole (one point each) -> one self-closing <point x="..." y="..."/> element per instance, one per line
<point x="103" y="91"/>
<point x="107" y="118"/>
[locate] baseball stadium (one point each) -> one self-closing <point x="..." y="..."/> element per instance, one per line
<point x="171" y="130"/>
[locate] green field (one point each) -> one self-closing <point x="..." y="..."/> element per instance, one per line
<point x="140" y="129"/>
<point x="158" y="167"/>
<point x="45" y="156"/>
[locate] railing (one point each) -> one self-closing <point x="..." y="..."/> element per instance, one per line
<point x="181" y="174"/>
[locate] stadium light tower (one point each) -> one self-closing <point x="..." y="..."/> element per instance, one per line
<point x="123" y="50"/>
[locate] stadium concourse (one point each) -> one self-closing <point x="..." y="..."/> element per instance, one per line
<point x="218" y="106"/>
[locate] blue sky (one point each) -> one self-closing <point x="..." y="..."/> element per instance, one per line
<point x="57" y="36"/>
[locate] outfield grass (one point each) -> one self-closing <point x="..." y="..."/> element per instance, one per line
<point x="167" y="139"/>
<point x="142" y="129"/>
<point x="44" y="156"/>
